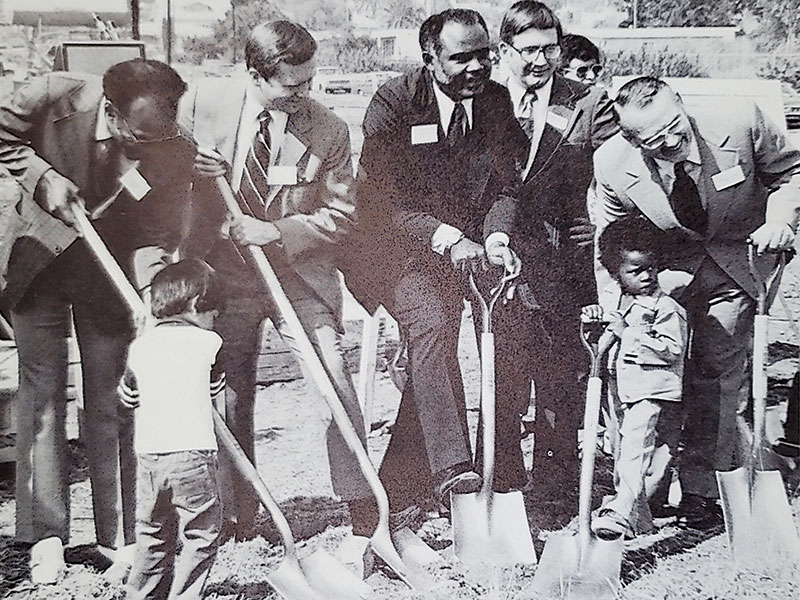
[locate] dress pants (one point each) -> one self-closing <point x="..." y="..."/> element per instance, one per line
<point x="430" y="433"/>
<point x="239" y="324"/>
<point x="72" y="288"/>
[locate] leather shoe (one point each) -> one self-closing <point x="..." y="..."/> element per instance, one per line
<point x="407" y="517"/>
<point x="457" y="480"/>
<point x="47" y="561"/>
<point x="698" y="512"/>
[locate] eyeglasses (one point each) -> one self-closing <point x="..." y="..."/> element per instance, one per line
<point x="582" y="71"/>
<point x="531" y="53"/>
<point x="127" y="133"/>
<point x="655" y="142"/>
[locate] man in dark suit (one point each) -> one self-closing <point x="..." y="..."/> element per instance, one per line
<point x="438" y="152"/>
<point x="71" y="139"/>
<point x="564" y="121"/>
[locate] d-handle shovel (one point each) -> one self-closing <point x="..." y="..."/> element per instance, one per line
<point x="582" y="567"/>
<point x="761" y="531"/>
<point x="409" y="563"/>
<point x="318" y="577"/>
<point x="490" y="527"/>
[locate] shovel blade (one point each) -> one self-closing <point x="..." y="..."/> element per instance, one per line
<point x="291" y="583"/>
<point x="412" y="549"/>
<point x="414" y="576"/>
<point x="761" y="531"/>
<point x="492" y="530"/>
<point x="331" y="579"/>
<point x="564" y="573"/>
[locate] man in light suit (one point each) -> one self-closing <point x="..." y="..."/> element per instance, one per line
<point x="300" y="211"/>
<point x="714" y="180"/>
<point x="438" y="153"/>
<point x="74" y="140"/>
<point x="564" y="121"/>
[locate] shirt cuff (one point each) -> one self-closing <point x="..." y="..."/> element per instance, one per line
<point x="444" y="237"/>
<point x="498" y="237"/>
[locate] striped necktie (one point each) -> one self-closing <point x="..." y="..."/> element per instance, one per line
<point x="255" y="185"/>
<point x="525" y="117"/>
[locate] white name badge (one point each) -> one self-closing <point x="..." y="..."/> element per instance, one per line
<point x="282" y="175"/>
<point x="136" y="185"/>
<point x="556" y="121"/>
<point x="424" y="134"/>
<point x="728" y="177"/>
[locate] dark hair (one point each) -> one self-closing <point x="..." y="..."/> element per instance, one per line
<point x="580" y="47"/>
<point x="141" y="78"/>
<point x="430" y="31"/>
<point x="639" y="92"/>
<point x="633" y="233"/>
<point x="175" y="285"/>
<point x="528" y="14"/>
<point x="270" y="44"/>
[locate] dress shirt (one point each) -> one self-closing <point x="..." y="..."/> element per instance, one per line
<point x="102" y="131"/>
<point x="538" y="113"/>
<point x="666" y="169"/>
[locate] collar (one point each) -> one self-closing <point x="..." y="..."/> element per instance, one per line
<point x="517" y="92"/>
<point x="447" y="105"/>
<point x="253" y="109"/>
<point x="647" y="302"/>
<point x="102" y="132"/>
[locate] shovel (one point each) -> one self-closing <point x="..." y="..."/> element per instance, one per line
<point x="582" y="567"/>
<point x="407" y="560"/>
<point x="758" y="519"/>
<point x="318" y="577"/>
<point x="490" y="527"/>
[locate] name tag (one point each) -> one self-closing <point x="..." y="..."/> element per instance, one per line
<point x="424" y="134"/>
<point x="282" y="175"/>
<point x="556" y="121"/>
<point x="135" y="183"/>
<point x="728" y="177"/>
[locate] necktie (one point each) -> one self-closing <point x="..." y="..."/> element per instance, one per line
<point x="457" y="130"/>
<point x="525" y="117"/>
<point x="255" y="185"/>
<point x="685" y="201"/>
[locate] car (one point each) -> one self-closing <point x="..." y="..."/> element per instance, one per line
<point x="791" y="110"/>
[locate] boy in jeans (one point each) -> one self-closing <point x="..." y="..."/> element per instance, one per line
<point x="647" y="335"/>
<point x="171" y="382"/>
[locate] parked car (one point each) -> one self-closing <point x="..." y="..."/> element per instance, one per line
<point x="791" y="110"/>
<point x="363" y="84"/>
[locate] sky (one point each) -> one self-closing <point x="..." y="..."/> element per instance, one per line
<point x="49" y="5"/>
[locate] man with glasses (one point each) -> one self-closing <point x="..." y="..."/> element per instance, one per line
<point x="113" y="149"/>
<point x="581" y="60"/>
<point x="564" y="122"/>
<point x="715" y="180"/>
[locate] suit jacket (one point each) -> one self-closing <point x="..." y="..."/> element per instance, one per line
<point x="769" y="188"/>
<point x="408" y="187"/>
<point x="553" y="194"/>
<point x="50" y="124"/>
<point x="312" y="223"/>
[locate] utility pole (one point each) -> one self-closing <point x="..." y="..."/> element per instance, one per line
<point x="635" y="22"/>
<point x="233" y="27"/>
<point x="168" y="34"/>
<point x="135" y="19"/>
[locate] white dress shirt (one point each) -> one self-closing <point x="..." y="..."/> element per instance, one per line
<point x="538" y="112"/>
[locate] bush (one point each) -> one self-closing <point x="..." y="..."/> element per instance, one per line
<point x="656" y="62"/>
<point x="785" y="68"/>
<point x="351" y="54"/>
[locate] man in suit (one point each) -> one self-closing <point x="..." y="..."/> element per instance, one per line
<point x="537" y="332"/>
<point x="74" y="140"/>
<point x="438" y="152"/>
<point x="713" y="180"/>
<point x="289" y="159"/>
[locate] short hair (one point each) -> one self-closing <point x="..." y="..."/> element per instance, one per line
<point x="142" y="78"/>
<point x="639" y="92"/>
<point x="174" y="287"/>
<point x="580" y="47"/>
<point x="430" y="32"/>
<point x="528" y="14"/>
<point x="634" y="233"/>
<point x="270" y="44"/>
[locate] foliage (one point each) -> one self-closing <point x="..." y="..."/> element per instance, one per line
<point x="688" y="13"/>
<point x="785" y="68"/>
<point x="656" y="62"/>
<point x="317" y="15"/>
<point x="351" y="54"/>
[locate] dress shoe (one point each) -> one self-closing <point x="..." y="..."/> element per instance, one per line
<point x="47" y="561"/>
<point x="697" y="512"/>
<point x="408" y="517"/>
<point x="457" y="480"/>
<point x="610" y="525"/>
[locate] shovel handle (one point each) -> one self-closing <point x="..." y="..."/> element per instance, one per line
<point x="767" y="286"/>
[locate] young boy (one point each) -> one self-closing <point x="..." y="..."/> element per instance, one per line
<point x="648" y="337"/>
<point x="171" y="382"/>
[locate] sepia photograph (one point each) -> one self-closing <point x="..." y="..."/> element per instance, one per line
<point x="399" y="300"/>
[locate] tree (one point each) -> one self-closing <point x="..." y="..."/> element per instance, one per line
<point x="317" y="15"/>
<point x="687" y="13"/>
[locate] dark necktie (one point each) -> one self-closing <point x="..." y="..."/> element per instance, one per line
<point x="457" y="130"/>
<point x="525" y="117"/>
<point x="255" y="185"/>
<point x="685" y="201"/>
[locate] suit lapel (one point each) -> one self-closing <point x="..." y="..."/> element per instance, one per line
<point x="716" y="155"/>
<point x="293" y="149"/>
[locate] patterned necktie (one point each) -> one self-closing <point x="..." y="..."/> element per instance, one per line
<point x="685" y="201"/>
<point x="525" y="117"/>
<point x="255" y="185"/>
<point x="457" y="130"/>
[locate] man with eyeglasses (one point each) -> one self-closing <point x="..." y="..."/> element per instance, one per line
<point x="112" y="148"/>
<point x="581" y="60"/>
<point x="564" y="122"/>
<point x="716" y="180"/>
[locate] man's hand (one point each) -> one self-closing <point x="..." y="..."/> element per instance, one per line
<point x="248" y="231"/>
<point x="466" y="255"/>
<point x="210" y="163"/>
<point x="500" y="254"/>
<point x="582" y="232"/>
<point x="55" y="194"/>
<point x="772" y="237"/>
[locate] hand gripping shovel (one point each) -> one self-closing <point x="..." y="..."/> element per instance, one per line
<point x="318" y="577"/>
<point x="413" y="553"/>
<point x="490" y="527"/>
<point x="758" y="519"/>
<point x="582" y="567"/>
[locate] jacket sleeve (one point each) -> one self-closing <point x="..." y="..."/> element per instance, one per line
<point x="661" y="344"/>
<point x="604" y="120"/>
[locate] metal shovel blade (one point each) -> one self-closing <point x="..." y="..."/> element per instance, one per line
<point x="415" y="576"/>
<point x="332" y="579"/>
<point x="566" y="572"/>
<point x="413" y="550"/>
<point x="289" y="581"/>
<point x="761" y="531"/>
